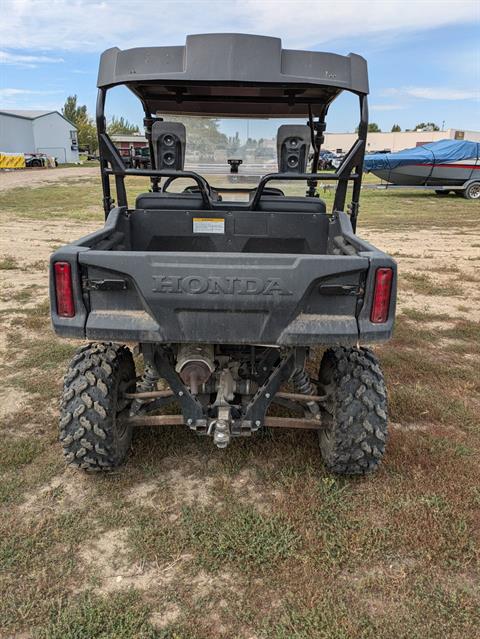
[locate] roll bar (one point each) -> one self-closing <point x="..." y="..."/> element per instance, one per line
<point x="111" y="163"/>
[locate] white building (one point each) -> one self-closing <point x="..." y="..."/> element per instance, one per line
<point x="38" y="132"/>
<point x="341" y="142"/>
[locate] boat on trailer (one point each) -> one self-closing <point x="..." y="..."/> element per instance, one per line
<point x="447" y="163"/>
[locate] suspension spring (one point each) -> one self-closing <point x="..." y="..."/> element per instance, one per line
<point x="148" y="382"/>
<point x="302" y="384"/>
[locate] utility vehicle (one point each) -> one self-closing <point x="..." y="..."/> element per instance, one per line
<point x="226" y="300"/>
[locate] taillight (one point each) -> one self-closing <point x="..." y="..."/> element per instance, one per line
<point x="64" y="289"/>
<point x="381" y="295"/>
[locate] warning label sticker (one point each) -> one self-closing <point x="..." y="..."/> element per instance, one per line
<point x="208" y="225"/>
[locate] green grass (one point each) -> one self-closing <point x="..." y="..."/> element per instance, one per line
<point x="71" y="201"/>
<point x="15" y="453"/>
<point x="122" y="616"/>
<point x="80" y="199"/>
<point x="153" y="538"/>
<point x="427" y="609"/>
<point x="239" y="536"/>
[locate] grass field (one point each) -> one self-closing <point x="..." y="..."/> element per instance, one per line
<point x="257" y="541"/>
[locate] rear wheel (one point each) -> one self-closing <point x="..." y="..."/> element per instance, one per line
<point x="353" y="440"/>
<point x="472" y="192"/>
<point x="93" y="432"/>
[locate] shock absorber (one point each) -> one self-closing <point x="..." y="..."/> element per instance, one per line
<point x="302" y="384"/>
<point x="148" y="382"/>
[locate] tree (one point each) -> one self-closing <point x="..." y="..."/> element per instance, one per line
<point x="427" y="126"/>
<point x="203" y="134"/>
<point x="372" y="128"/>
<point x="78" y="115"/>
<point x="120" y="126"/>
<point x="396" y="128"/>
<point x="234" y="143"/>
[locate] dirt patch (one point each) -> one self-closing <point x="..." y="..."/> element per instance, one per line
<point x="106" y="559"/>
<point x="433" y="304"/>
<point x="64" y="493"/>
<point x="184" y="489"/>
<point x="144" y="493"/>
<point x="169" y="615"/>
<point x="189" y="489"/>
<point x="444" y="257"/>
<point x="19" y="289"/>
<point x="30" y="242"/>
<point x="435" y="247"/>
<point x="31" y="246"/>
<point x="12" y="400"/>
<point x="34" y="179"/>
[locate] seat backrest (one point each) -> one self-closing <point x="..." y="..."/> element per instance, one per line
<point x="291" y="204"/>
<point x="193" y="201"/>
<point x="170" y="201"/>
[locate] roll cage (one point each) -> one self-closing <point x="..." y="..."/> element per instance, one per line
<point x="219" y="74"/>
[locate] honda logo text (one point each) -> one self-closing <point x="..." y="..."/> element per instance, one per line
<point x="198" y="285"/>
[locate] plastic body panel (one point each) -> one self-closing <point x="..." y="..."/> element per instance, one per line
<point x="232" y="57"/>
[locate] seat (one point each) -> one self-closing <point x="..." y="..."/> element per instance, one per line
<point x="170" y="201"/>
<point x="291" y="204"/>
<point x="268" y="190"/>
<point x="193" y="202"/>
<point x="188" y="199"/>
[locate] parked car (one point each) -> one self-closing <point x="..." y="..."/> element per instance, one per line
<point x="35" y="160"/>
<point x="326" y="159"/>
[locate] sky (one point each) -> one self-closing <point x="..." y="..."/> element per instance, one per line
<point x="423" y="55"/>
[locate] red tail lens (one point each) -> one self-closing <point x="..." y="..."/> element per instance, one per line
<point x="381" y="295"/>
<point x="64" y="289"/>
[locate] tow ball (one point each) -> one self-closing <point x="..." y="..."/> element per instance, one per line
<point x="220" y="426"/>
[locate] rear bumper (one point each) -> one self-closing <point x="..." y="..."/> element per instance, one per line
<point x="305" y="330"/>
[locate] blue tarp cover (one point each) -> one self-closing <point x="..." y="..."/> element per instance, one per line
<point x="435" y="152"/>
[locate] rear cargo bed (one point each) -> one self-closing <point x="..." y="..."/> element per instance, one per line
<point x="228" y="293"/>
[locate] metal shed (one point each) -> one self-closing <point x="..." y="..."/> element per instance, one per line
<point x="26" y="131"/>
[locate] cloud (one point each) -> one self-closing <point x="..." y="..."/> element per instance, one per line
<point x="11" y="92"/>
<point x="94" y="25"/>
<point x="386" y="107"/>
<point x="442" y="93"/>
<point x="13" y="98"/>
<point x="28" y="61"/>
<point x="434" y="93"/>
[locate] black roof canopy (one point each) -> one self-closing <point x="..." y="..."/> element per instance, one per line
<point x="233" y="75"/>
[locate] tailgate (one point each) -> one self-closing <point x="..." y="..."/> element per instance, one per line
<point x="225" y="297"/>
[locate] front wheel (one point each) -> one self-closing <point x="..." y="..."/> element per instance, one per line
<point x="355" y="419"/>
<point x="93" y="432"/>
